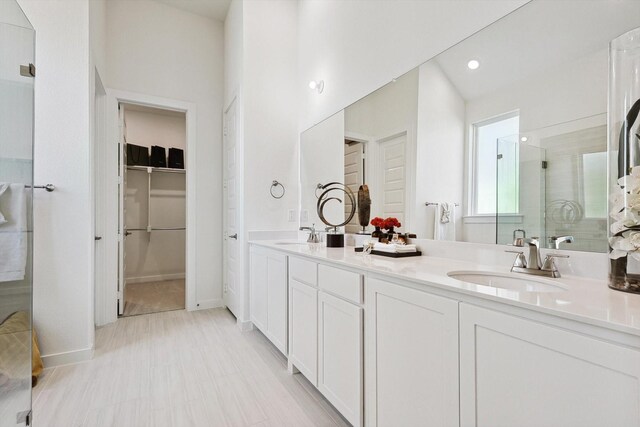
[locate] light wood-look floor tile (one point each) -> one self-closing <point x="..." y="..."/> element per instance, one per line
<point x="180" y="368"/>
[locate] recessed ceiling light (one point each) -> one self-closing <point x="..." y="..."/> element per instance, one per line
<point x="524" y="139"/>
<point x="473" y="64"/>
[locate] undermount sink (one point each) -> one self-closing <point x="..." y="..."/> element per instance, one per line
<point x="511" y="281"/>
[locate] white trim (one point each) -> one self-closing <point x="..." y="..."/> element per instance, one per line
<point x="210" y="303"/>
<point x="108" y="299"/>
<point x="67" y="357"/>
<point x="491" y="219"/>
<point x="156" y="278"/>
<point x="245" y="325"/>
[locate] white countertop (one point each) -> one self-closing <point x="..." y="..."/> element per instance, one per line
<point x="584" y="300"/>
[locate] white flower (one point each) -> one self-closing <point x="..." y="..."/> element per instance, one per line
<point x="627" y="244"/>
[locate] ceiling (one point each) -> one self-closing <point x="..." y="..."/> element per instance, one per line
<point x="539" y="36"/>
<point x="215" y="9"/>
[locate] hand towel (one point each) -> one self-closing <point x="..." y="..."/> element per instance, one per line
<point x="393" y="248"/>
<point x="13" y="233"/>
<point x="444" y="224"/>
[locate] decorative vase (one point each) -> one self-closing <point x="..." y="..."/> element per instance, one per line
<point x="377" y="232"/>
<point x="624" y="162"/>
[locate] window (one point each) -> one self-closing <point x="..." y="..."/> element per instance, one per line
<point x="494" y="139"/>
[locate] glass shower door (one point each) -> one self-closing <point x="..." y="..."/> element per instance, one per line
<point x="17" y="42"/>
<point x="520" y="190"/>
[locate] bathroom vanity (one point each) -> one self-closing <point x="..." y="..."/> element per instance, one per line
<point x="397" y="342"/>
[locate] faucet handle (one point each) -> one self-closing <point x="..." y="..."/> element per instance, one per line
<point x="520" y="261"/>
<point x="550" y="265"/>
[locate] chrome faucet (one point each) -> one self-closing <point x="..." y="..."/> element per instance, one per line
<point x="547" y="268"/>
<point x="313" y="236"/>
<point x="554" y="241"/>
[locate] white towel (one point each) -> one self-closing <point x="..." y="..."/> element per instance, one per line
<point x="13" y="232"/>
<point x="444" y="223"/>
<point x="393" y="248"/>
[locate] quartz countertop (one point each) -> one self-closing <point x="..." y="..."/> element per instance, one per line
<point x="584" y="300"/>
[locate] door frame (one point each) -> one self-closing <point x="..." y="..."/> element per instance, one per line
<point x="107" y="299"/>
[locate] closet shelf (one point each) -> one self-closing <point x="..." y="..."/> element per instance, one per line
<point x="157" y="229"/>
<point x="151" y="169"/>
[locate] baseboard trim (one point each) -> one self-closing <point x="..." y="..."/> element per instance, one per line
<point x="245" y="325"/>
<point x="209" y="303"/>
<point x="67" y="358"/>
<point x="157" y="278"/>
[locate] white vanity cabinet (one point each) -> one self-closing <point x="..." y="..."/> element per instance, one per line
<point x="326" y="333"/>
<point x="268" y="283"/>
<point x="411" y="357"/>
<point x="518" y="372"/>
<point x="303" y="317"/>
<point x="340" y="341"/>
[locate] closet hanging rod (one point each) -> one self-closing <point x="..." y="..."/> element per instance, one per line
<point x="48" y="187"/>
<point x="158" y="229"/>
<point x="150" y="169"/>
<point x="436" y="203"/>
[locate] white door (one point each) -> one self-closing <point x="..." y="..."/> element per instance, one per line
<point x="340" y="355"/>
<point x="231" y="291"/>
<point x="411" y="357"/>
<point x="122" y="194"/>
<point x="517" y="372"/>
<point x="353" y="178"/>
<point x="393" y="177"/>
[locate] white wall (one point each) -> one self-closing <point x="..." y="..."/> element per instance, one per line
<point x="159" y="50"/>
<point x="440" y="154"/>
<point x="149" y="128"/>
<point x="63" y="238"/>
<point x="357" y="46"/>
<point x="321" y="161"/>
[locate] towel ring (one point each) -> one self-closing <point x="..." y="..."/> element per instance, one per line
<point x="276" y="184"/>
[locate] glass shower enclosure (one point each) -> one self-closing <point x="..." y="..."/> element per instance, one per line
<point x="17" y="45"/>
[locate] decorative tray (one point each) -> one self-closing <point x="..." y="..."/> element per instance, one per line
<point x="393" y="254"/>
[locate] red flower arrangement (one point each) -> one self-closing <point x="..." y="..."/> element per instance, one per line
<point x="378" y="222"/>
<point x="391" y="223"/>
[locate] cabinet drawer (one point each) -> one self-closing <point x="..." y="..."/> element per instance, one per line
<point x="345" y="284"/>
<point x="303" y="271"/>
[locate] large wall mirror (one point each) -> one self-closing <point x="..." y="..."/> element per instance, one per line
<point x="507" y="128"/>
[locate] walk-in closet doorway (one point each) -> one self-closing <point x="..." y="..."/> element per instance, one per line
<point x="153" y="209"/>
<point x="150" y="260"/>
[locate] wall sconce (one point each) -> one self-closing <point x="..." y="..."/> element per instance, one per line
<point x="317" y="85"/>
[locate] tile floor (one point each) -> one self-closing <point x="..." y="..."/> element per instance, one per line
<point x="154" y="297"/>
<point x="179" y="368"/>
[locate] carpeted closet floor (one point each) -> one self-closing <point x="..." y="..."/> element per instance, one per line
<point x="154" y="297"/>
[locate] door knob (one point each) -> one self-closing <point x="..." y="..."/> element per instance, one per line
<point x="234" y="236"/>
<point x="97" y="238"/>
<point x="126" y="233"/>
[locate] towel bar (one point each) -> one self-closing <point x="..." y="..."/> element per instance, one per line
<point x="435" y="204"/>
<point x="48" y="187"/>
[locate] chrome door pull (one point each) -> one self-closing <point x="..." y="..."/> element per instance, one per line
<point x="234" y="236"/>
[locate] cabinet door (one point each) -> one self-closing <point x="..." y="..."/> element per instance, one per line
<point x="258" y="295"/>
<point x="411" y="359"/>
<point x="277" y="300"/>
<point x="517" y="372"/>
<point x="340" y="355"/>
<point x="303" y="329"/>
